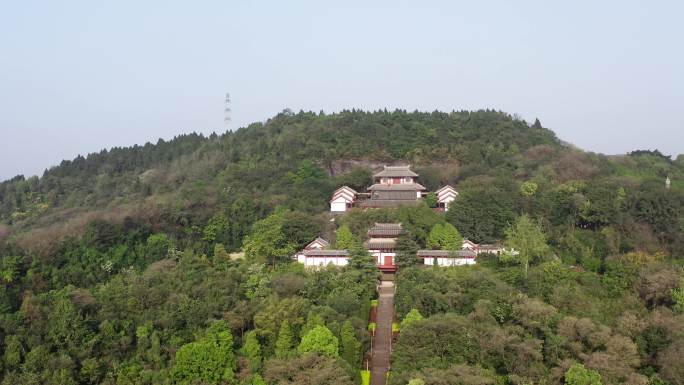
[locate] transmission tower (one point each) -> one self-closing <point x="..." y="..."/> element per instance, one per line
<point x="226" y="111"/>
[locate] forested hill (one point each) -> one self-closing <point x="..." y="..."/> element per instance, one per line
<point x="116" y="268"/>
<point x="296" y="160"/>
<point x="483" y="142"/>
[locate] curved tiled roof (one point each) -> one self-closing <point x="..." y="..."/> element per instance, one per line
<point x="397" y="187"/>
<point x="326" y="253"/>
<point x="446" y="253"/>
<point x="380" y="243"/>
<point x="385" y="229"/>
<point x="395" y="171"/>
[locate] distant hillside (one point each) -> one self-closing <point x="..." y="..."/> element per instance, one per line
<point x="288" y="161"/>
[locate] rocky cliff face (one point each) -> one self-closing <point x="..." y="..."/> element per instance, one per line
<point x="343" y="166"/>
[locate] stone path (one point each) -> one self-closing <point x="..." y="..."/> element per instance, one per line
<point x="382" y="342"/>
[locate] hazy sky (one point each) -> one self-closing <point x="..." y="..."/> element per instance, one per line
<point x="79" y="76"/>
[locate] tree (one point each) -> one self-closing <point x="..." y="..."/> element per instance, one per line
<point x="411" y="317"/>
<point x="528" y="189"/>
<point x="310" y="369"/>
<point x="444" y="237"/>
<point x="482" y="213"/>
<point x="360" y="258"/>
<point x="284" y="346"/>
<point x="350" y="346"/>
<point x="267" y="241"/>
<point x="344" y="239"/>
<point x="431" y="200"/>
<point x="210" y="359"/>
<point x="217" y="230"/>
<point x="452" y="239"/>
<point x="9" y="268"/>
<point x="251" y="349"/>
<point x="320" y="340"/>
<point x="257" y="380"/>
<point x="577" y="374"/>
<point x="527" y="239"/>
<point x="13" y="352"/>
<point x="436" y="237"/>
<point x="299" y="228"/>
<point x="406" y="250"/>
<point x="537" y="124"/>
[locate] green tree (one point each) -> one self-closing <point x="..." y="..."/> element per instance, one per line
<point x="257" y="380"/>
<point x="527" y="239"/>
<point x="13" y="352"/>
<point x="444" y="236"/>
<point x="350" y="346"/>
<point x="406" y="249"/>
<point x="309" y="369"/>
<point x="217" y="230"/>
<point x="220" y="254"/>
<point x="284" y="346"/>
<point x="320" y="340"/>
<point x="528" y="189"/>
<point x="360" y="258"/>
<point x="431" y="200"/>
<point x="577" y="374"/>
<point x="267" y="241"/>
<point x="436" y="237"/>
<point x="9" y="268"/>
<point x="210" y="359"/>
<point x="411" y="317"/>
<point x="344" y="239"/>
<point x="251" y="349"/>
<point x="157" y="247"/>
<point x="452" y="239"/>
<point x="482" y="213"/>
<point x="299" y="228"/>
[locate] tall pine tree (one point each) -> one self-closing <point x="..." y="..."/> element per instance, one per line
<point x="407" y="250"/>
<point x="350" y="345"/>
<point x="284" y="346"/>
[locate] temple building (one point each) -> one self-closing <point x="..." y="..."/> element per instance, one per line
<point x="447" y="258"/>
<point x="343" y="198"/>
<point x="317" y="254"/>
<point x="393" y="186"/>
<point x="445" y="196"/>
<point x="381" y="244"/>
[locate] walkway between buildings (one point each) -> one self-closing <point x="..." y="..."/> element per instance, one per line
<point x="382" y="341"/>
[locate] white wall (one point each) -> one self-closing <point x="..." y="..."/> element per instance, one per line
<point x="313" y="262"/>
<point x="338" y="206"/>
<point x="449" y="261"/>
<point x="380" y="256"/>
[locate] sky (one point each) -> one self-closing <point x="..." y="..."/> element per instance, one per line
<point x="80" y="76"/>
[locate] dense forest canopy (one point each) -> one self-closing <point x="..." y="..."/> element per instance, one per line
<point x="121" y="268"/>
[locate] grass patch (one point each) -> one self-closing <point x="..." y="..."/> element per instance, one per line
<point x="371" y="327"/>
<point x="365" y="377"/>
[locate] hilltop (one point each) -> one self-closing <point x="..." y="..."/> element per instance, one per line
<point x="296" y="160"/>
<point x="120" y="267"/>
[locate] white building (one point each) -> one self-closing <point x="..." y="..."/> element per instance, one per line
<point x="382" y="239"/>
<point x="316" y="254"/>
<point x="446" y="258"/>
<point x="343" y="199"/>
<point x="445" y="196"/>
<point x="317" y="258"/>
